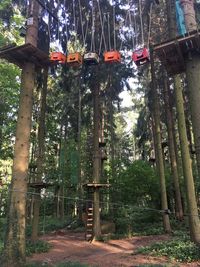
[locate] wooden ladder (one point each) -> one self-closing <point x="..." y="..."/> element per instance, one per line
<point x="89" y="224"/>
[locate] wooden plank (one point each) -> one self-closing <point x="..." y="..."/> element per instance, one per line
<point x="25" y="53"/>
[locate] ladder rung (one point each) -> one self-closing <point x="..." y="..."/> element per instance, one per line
<point x="90" y="219"/>
<point x="89" y="224"/>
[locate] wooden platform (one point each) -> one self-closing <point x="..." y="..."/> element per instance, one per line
<point x="96" y="185"/>
<point x="173" y="53"/>
<point x="19" y="55"/>
<point x="39" y="185"/>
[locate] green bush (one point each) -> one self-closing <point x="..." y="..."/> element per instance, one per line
<point x="181" y="250"/>
<point x="36" y="247"/>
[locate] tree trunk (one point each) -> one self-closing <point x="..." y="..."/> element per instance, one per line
<point x="187" y="167"/>
<point x="40" y="156"/>
<point x="171" y="144"/>
<point x="158" y="148"/>
<point x="193" y="78"/>
<point x="96" y="164"/>
<point x="14" y="250"/>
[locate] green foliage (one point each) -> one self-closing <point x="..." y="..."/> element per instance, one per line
<point x="36" y="247"/>
<point x="138" y="184"/>
<point x="180" y="249"/>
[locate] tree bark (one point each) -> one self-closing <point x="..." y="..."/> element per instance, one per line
<point x="171" y="144"/>
<point x="193" y="78"/>
<point x="158" y="148"/>
<point x="96" y="163"/>
<point x="40" y="156"/>
<point x="14" y="248"/>
<point x="187" y="167"/>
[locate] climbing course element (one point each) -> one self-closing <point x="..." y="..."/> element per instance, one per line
<point x="112" y="56"/>
<point x="58" y="57"/>
<point x="74" y="59"/>
<point x="92" y="58"/>
<point x="141" y="56"/>
<point x="172" y="53"/>
<point x="19" y="55"/>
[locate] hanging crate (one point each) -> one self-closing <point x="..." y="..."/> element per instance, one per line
<point x="112" y="57"/>
<point x="91" y="58"/>
<point x="141" y="56"/>
<point x="74" y="59"/>
<point x="58" y="57"/>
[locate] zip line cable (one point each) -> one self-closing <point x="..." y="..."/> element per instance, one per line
<point x="117" y="205"/>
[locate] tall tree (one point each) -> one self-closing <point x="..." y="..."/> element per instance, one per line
<point x="193" y="77"/>
<point x="14" y="252"/>
<point x="158" y="146"/>
<point x="172" y="147"/>
<point x="40" y="154"/>
<point x="186" y="161"/>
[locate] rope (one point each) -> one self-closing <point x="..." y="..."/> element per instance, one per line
<point x="102" y="25"/>
<point x="124" y="24"/>
<point x="109" y="38"/>
<point x="141" y="22"/>
<point x="81" y="17"/>
<point x="92" y="45"/>
<point x="114" y="27"/>
<point x="150" y="19"/>
<point x="101" y="39"/>
<point x="135" y="30"/>
<point x="66" y="28"/>
<point x="132" y="29"/>
<point x="86" y="31"/>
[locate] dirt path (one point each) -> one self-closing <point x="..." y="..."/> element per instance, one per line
<point x="114" y="253"/>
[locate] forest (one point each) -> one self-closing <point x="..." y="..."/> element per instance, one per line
<point x="85" y="178"/>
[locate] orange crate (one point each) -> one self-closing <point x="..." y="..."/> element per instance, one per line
<point x="74" y="59"/>
<point x="112" y="57"/>
<point x="58" y="57"/>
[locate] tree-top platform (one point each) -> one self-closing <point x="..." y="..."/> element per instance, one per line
<point x="39" y="185"/>
<point x="172" y="53"/>
<point x="96" y="185"/>
<point x="19" y="55"/>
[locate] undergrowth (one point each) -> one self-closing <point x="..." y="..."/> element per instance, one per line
<point x="180" y="249"/>
<point x="38" y="246"/>
<point x="65" y="264"/>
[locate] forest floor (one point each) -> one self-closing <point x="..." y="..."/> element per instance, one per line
<point x="72" y="247"/>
